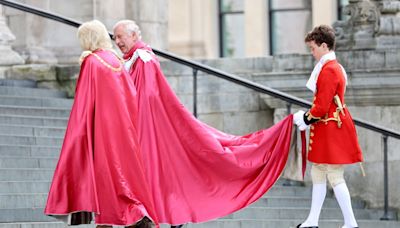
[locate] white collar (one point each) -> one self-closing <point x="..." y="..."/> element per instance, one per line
<point x="144" y="55"/>
<point x="312" y="81"/>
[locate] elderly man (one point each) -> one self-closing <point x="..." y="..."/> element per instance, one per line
<point x="127" y="36"/>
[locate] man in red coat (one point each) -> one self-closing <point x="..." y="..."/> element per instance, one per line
<point x="333" y="138"/>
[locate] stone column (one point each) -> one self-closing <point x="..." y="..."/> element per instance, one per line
<point x="8" y="56"/>
<point x="389" y="24"/>
<point x="256" y="40"/>
<point x="152" y="18"/>
<point x="30" y="31"/>
<point x="193" y="28"/>
<point x="109" y="11"/>
<point x="324" y="12"/>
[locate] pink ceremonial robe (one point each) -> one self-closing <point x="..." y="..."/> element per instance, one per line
<point x="195" y="172"/>
<point x="100" y="168"/>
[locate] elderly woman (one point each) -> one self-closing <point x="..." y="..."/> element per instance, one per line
<point x="100" y="171"/>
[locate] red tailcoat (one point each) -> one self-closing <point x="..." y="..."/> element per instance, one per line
<point x="100" y="168"/>
<point x="328" y="143"/>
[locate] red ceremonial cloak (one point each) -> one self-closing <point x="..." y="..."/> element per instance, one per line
<point x="100" y="168"/>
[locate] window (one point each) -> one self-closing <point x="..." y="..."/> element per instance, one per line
<point x="231" y="28"/>
<point x="341" y="4"/>
<point x="289" y="21"/>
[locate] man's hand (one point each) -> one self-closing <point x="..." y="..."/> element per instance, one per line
<point x="298" y="119"/>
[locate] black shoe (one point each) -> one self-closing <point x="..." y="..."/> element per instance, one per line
<point x="298" y="226"/>
<point x="144" y="223"/>
<point x="177" y="226"/>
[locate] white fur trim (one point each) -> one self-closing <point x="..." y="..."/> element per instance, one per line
<point x="312" y="81"/>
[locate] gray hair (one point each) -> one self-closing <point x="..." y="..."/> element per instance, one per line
<point x="130" y="27"/>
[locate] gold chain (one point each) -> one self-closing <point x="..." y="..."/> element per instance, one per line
<point x="117" y="69"/>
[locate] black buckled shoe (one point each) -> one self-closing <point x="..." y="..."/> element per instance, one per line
<point x="298" y="226"/>
<point x="177" y="226"/>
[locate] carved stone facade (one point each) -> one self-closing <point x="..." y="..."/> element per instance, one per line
<point x="8" y="56"/>
<point x="368" y="49"/>
<point x="40" y="40"/>
<point x="372" y="24"/>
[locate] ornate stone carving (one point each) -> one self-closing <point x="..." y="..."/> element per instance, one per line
<point x="8" y="56"/>
<point x="389" y="21"/>
<point x="359" y="30"/>
<point x="372" y="24"/>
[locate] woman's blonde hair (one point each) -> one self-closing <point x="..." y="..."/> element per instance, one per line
<point x="93" y="35"/>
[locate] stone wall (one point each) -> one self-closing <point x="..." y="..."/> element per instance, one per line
<point x="372" y="95"/>
<point x="40" y="40"/>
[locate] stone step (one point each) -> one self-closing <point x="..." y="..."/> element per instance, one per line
<point x="36" y="101"/>
<point x="33" y="174"/>
<point x="23" y="200"/>
<point x="31" y="130"/>
<point x="18" y="83"/>
<point x="30" y="162"/>
<point x="40" y="225"/>
<point x="221" y="223"/>
<point x="24" y="215"/>
<point x="302" y="213"/>
<point x="43" y="186"/>
<point x="29" y="150"/>
<point x="287" y="182"/>
<point x="299" y="202"/>
<point x="45" y="225"/>
<point x="290" y="223"/>
<point x="31" y="92"/>
<point x="34" y="111"/>
<point x="15" y="187"/>
<point x="281" y="191"/>
<point x="30" y="140"/>
<point x="34" y="120"/>
<point x="35" y="200"/>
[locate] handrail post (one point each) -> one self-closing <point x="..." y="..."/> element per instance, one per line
<point x="385" y="180"/>
<point x="195" y="92"/>
<point x="288" y="108"/>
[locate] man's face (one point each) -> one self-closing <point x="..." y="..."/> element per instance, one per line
<point x="318" y="51"/>
<point x="123" y="39"/>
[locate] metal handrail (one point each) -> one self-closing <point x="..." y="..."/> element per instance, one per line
<point x="40" y="12"/>
<point x="232" y="78"/>
<point x="206" y="69"/>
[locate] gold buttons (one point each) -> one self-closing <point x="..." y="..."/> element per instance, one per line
<point x="311" y="134"/>
<point x="309" y="148"/>
<point x="311" y="141"/>
<point x="312" y="127"/>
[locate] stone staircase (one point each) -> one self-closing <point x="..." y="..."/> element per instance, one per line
<point x="32" y="126"/>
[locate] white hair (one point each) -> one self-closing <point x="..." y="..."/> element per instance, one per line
<point x="130" y="27"/>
